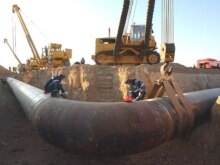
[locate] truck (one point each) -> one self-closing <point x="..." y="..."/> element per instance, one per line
<point x="208" y="63"/>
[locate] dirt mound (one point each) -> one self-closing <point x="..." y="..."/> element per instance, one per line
<point x="106" y="83"/>
<point x="4" y="72"/>
<point x="179" y="68"/>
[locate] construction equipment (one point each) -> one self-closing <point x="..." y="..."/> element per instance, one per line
<point x="208" y="63"/>
<point x="56" y="56"/>
<point x="52" y="56"/>
<point x="32" y="64"/>
<point x="167" y="47"/>
<point x="21" y="67"/>
<point x="36" y="56"/>
<point x="123" y="49"/>
<point x="167" y="83"/>
<point x="127" y="49"/>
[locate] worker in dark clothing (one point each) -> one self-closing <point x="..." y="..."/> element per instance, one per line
<point x="82" y="61"/>
<point x="46" y="51"/>
<point x="136" y="89"/>
<point x="54" y="86"/>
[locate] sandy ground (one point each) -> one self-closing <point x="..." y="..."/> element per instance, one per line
<point x="20" y="144"/>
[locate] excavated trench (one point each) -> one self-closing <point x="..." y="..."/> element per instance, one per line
<point x="106" y="84"/>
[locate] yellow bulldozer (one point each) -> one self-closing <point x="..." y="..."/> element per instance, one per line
<point x="124" y="49"/>
<point x="56" y="56"/>
<point x="134" y="48"/>
<point x="130" y="52"/>
<point x="32" y="64"/>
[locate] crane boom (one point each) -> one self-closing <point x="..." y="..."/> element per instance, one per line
<point x="125" y="11"/>
<point x="6" y="41"/>
<point x="150" y="11"/>
<point x="121" y="27"/>
<point x="16" y="10"/>
<point x="21" y="67"/>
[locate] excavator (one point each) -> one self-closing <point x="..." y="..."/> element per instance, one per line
<point x="52" y="55"/>
<point x="21" y="67"/>
<point x="125" y="50"/>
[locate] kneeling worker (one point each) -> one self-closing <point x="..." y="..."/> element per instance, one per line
<point x="54" y="86"/>
<point x="136" y="89"/>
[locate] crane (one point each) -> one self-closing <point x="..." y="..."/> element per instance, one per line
<point x="52" y="55"/>
<point x="21" y="67"/>
<point x="36" y="55"/>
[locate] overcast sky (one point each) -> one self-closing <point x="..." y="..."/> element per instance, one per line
<point x="77" y="23"/>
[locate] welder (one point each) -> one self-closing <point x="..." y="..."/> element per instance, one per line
<point x="136" y="89"/>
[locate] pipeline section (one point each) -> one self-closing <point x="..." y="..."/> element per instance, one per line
<point x="107" y="128"/>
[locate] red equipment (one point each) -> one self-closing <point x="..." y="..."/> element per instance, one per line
<point x="208" y="63"/>
<point x="128" y="99"/>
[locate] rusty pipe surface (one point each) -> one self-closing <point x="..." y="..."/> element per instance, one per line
<point x="103" y="128"/>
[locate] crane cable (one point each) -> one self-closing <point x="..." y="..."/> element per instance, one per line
<point x="13" y="33"/>
<point x="167" y="30"/>
<point x="134" y="11"/>
<point x="128" y="17"/>
<point x="32" y="22"/>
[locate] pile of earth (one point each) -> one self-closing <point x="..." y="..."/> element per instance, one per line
<point x="106" y="83"/>
<point x="4" y="72"/>
<point x="21" y="144"/>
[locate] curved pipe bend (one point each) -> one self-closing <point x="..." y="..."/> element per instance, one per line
<point x="105" y="128"/>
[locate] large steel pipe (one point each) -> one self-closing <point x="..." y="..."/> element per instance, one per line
<point x="116" y="128"/>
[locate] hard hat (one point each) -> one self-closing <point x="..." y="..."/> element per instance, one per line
<point x="129" y="80"/>
<point x="128" y="99"/>
<point x="62" y="76"/>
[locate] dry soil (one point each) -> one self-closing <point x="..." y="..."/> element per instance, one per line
<point x="20" y="143"/>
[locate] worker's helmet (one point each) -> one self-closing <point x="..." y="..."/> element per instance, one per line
<point x="127" y="81"/>
<point x="62" y="76"/>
